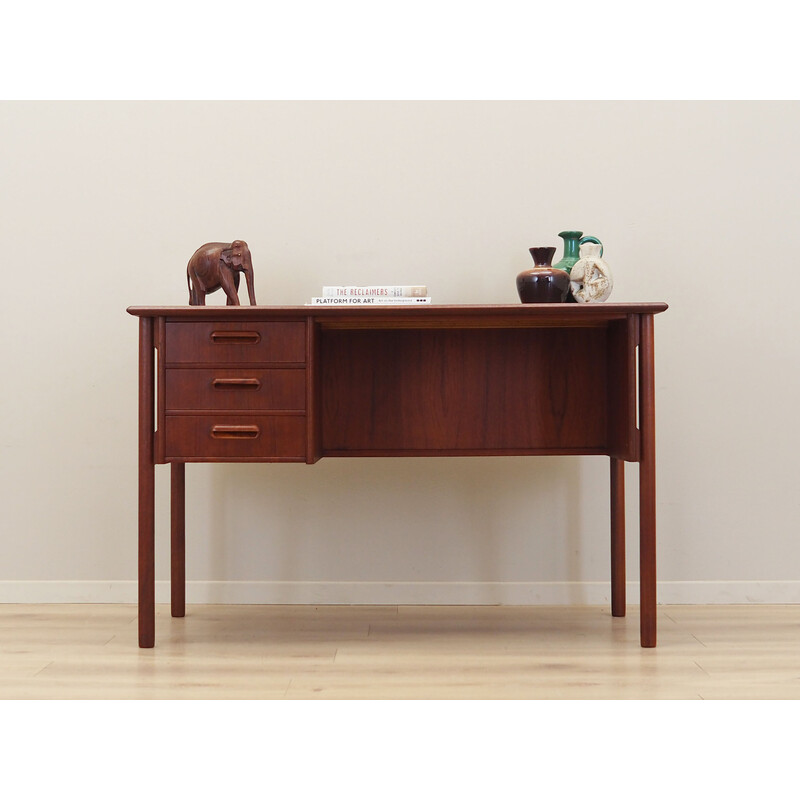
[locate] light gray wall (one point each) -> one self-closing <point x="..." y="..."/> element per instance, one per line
<point x="696" y="203"/>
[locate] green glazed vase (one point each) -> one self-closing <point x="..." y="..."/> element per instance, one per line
<point x="572" y="244"/>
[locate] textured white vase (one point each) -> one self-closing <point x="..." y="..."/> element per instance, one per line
<point x="590" y="279"/>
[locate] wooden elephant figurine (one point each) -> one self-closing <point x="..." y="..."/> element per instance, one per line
<point x="216" y="265"/>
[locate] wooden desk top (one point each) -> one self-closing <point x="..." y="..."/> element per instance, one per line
<point x="421" y="316"/>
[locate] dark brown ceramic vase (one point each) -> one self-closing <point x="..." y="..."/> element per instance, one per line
<point x="544" y="283"/>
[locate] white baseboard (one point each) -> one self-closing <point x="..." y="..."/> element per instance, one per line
<point x="402" y="593"/>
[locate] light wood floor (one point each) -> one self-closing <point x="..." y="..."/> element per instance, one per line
<point x="407" y="652"/>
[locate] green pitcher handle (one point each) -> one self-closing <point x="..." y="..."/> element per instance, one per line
<point x="593" y="240"/>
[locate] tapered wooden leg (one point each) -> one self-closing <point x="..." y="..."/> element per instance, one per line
<point x="617" y="537"/>
<point x="178" y="539"/>
<point x="647" y="483"/>
<point x="147" y="584"/>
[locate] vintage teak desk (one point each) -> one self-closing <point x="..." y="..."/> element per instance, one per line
<point x="299" y="383"/>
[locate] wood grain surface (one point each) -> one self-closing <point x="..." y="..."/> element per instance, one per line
<point x="408" y="652"/>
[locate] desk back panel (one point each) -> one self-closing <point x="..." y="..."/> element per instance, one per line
<point x="464" y="391"/>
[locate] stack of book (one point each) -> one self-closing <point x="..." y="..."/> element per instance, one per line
<point x="372" y="296"/>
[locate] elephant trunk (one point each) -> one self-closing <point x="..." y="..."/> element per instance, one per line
<point x="247" y="268"/>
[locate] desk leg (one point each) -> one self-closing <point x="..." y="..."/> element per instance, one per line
<point x="647" y="483"/>
<point x="617" y="537"/>
<point x="147" y="584"/>
<point x="178" y="538"/>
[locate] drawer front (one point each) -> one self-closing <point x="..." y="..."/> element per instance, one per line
<point x="240" y="389"/>
<point x="236" y="437"/>
<point x="235" y="342"/>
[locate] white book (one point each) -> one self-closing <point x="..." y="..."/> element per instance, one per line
<point x="374" y="291"/>
<point x="369" y="301"/>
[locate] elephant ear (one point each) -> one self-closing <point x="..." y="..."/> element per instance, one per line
<point x="225" y="255"/>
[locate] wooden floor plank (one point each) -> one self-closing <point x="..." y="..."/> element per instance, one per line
<point x="84" y="651"/>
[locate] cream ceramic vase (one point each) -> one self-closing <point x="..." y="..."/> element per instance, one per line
<point x="590" y="279"/>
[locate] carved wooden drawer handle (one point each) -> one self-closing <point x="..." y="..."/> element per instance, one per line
<point x="235" y="432"/>
<point x="236" y="383"/>
<point x="235" y="337"/>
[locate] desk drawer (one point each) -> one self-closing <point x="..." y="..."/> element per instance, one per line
<point x="235" y="342"/>
<point x="236" y="437"/>
<point x="221" y="389"/>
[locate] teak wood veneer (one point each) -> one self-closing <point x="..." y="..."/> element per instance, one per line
<point x="297" y="383"/>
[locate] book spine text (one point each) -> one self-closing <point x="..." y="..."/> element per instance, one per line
<point x="374" y="291"/>
<point x="370" y="301"/>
